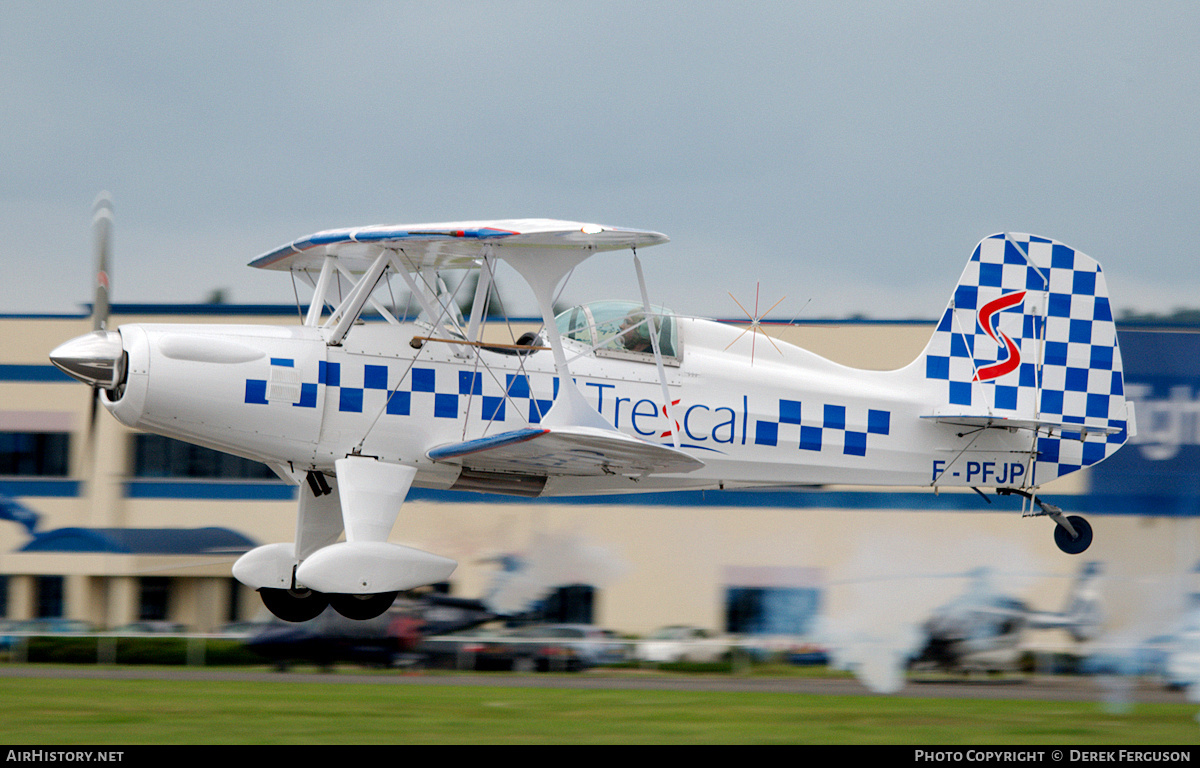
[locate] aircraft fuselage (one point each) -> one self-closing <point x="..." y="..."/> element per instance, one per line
<point x="282" y="396"/>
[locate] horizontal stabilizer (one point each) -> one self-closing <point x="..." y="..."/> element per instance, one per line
<point x="569" y="450"/>
<point x="991" y="421"/>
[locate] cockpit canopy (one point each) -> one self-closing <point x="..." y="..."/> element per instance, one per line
<point x="621" y="329"/>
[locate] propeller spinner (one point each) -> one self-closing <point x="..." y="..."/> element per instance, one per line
<point x="97" y="359"/>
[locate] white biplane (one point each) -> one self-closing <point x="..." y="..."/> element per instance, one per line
<point x="1021" y="383"/>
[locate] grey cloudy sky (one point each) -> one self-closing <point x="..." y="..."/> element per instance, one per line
<point x="847" y="153"/>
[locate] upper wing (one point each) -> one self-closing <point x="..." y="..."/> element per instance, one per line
<point x="570" y="450"/>
<point x="449" y="245"/>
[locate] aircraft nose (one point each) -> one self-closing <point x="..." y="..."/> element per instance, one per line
<point x="97" y="359"/>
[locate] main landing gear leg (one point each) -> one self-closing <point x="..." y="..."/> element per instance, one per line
<point x="361" y="576"/>
<point x="318" y="524"/>
<point x="1072" y="534"/>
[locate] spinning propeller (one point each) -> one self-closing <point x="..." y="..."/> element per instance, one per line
<point x="102" y="222"/>
<point x="97" y="358"/>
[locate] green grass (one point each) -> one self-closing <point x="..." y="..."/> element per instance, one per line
<point x="129" y="712"/>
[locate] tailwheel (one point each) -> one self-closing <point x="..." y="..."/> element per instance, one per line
<point x="1082" y="539"/>
<point x="362" y="607"/>
<point x="1072" y="533"/>
<point x="294" y="604"/>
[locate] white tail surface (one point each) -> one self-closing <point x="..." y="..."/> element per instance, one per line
<point x="1029" y="341"/>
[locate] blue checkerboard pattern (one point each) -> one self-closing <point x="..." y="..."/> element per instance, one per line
<point x="444" y="393"/>
<point x="822" y="426"/>
<point x="1065" y="317"/>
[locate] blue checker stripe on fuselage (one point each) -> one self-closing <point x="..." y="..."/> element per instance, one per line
<point x="822" y="428"/>
<point x="419" y="381"/>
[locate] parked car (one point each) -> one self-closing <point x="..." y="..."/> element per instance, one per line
<point x="151" y="627"/>
<point x="242" y="629"/>
<point x="1146" y="658"/>
<point x="1183" y="664"/>
<point x="542" y="648"/>
<point x="11" y="629"/>
<point x="681" y="643"/>
<point x="6" y="640"/>
<point x="52" y="626"/>
<point x="593" y="645"/>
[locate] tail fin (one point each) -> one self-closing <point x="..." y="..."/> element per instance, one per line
<point x="1028" y="341"/>
<point x="1085" y="606"/>
<point x="1083" y="614"/>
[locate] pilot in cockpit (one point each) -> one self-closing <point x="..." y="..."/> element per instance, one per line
<point x="635" y="333"/>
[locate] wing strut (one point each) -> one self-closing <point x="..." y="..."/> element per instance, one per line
<point x="482" y="287"/>
<point x="313" y="319"/>
<point x="668" y="407"/>
<point x="347" y="313"/>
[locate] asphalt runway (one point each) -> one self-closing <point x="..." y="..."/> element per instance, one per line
<point x="1036" y="688"/>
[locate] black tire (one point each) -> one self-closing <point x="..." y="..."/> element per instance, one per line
<point x="1073" y="546"/>
<point x="362" y="607"/>
<point x="294" y="606"/>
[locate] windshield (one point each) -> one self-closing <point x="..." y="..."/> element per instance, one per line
<point x="621" y="329"/>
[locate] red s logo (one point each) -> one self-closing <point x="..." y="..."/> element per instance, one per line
<point x="1013" y="359"/>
